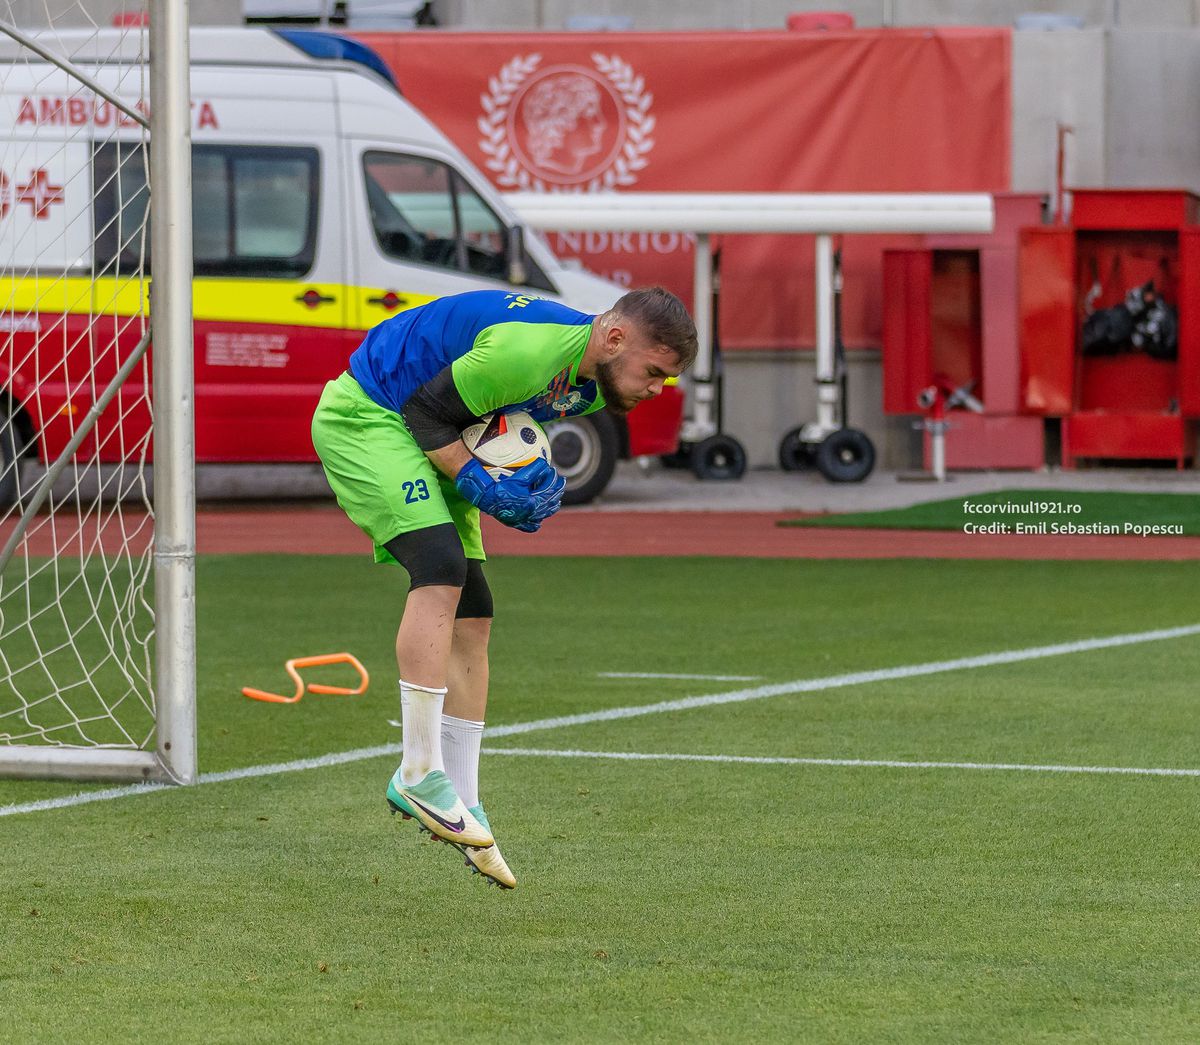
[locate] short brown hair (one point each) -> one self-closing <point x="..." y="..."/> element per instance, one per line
<point x="664" y="318"/>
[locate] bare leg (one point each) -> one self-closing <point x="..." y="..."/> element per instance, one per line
<point x="423" y="655"/>
<point x="467" y="677"/>
<point x="426" y="632"/>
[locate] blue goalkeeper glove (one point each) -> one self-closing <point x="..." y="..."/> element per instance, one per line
<point x="547" y="487"/>
<point x="523" y="499"/>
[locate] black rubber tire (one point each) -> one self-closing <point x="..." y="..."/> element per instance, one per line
<point x="8" y="454"/>
<point x="795" y="455"/>
<point x="719" y="457"/>
<point x="584" y="450"/>
<point x="845" y="456"/>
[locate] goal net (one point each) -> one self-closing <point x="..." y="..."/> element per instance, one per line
<point x="82" y="673"/>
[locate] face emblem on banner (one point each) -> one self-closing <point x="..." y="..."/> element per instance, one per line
<point x="566" y="127"/>
<point x="560" y="125"/>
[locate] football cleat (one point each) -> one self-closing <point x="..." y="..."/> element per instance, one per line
<point x="436" y="807"/>
<point x="488" y="861"/>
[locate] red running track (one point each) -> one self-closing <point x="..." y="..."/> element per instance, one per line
<point x="324" y="530"/>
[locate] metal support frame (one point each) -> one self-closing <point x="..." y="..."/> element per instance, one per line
<point x="174" y="398"/>
<point x="701" y="423"/>
<point x="937" y="449"/>
<point x="38" y="762"/>
<point x="708" y="213"/>
<point x="826" y="365"/>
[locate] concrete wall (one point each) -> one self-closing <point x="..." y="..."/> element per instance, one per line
<point x="768" y="14"/>
<point x="1058" y="77"/>
<point x="1152" y="98"/>
<point x="78" y="14"/>
<point x="669" y="14"/>
<point x="1131" y="95"/>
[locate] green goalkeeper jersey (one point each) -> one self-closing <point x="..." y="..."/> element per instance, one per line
<point x="505" y="351"/>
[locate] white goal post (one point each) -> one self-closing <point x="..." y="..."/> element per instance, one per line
<point x="97" y="589"/>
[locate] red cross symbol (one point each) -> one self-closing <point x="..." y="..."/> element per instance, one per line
<point x="39" y="193"/>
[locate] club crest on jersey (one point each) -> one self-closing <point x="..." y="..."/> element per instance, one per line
<point x="565" y="403"/>
<point x="559" y="396"/>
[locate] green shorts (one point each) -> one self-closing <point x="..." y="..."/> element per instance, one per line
<point x="382" y="479"/>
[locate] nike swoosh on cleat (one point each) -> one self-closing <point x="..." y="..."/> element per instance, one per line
<point x="457" y="828"/>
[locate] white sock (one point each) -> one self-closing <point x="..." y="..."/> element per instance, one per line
<point x="460" y="742"/>
<point x="421" y="717"/>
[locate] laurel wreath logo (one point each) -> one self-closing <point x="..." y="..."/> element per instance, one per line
<point x="639" y="125"/>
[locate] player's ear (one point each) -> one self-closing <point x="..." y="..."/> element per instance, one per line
<point x="614" y="339"/>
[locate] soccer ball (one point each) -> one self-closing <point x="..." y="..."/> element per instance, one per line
<point x="505" y="442"/>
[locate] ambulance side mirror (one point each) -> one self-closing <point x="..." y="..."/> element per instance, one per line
<point x="515" y="255"/>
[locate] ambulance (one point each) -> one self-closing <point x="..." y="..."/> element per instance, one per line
<point x="323" y="203"/>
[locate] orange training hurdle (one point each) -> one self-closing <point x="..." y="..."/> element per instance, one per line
<point x="293" y="667"/>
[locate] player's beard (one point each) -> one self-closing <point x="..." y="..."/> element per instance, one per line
<point x="607" y="380"/>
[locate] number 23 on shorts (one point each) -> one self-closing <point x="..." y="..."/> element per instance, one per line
<point x="415" y="491"/>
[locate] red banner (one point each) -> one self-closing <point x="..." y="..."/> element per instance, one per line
<point x="860" y="111"/>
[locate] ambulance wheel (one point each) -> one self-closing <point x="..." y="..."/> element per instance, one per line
<point x="795" y="455"/>
<point x="584" y="450"/>
<point x="845" y="456"/>
<point x="718" y="457"/>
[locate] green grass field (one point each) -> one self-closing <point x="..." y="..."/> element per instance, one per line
<point x="659" y="899"/>
<point x="1105" y="508"/>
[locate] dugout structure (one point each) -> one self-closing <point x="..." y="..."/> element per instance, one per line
<point x="97" y="594"/>
<point x="822" y="215"/>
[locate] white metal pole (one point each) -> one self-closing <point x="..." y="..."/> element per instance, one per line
<point x="174" y="426"/>
<point x="937" y="447"/>
<point x="42" y="762"/>
<point x="774" y="212"/>
<point x="701" y="424"/>
<point x="827" y="393"/>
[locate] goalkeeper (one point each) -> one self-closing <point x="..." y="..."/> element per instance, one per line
<point x="388" y="435"/>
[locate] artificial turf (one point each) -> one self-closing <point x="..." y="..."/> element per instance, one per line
<point x="657" y="900"/>
<point x="1121" y="511"/>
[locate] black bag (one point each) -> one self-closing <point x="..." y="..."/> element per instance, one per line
<point x="1107" y="331"/>
<point x="1156" y="331"/>
<point x="1143" y="322"/>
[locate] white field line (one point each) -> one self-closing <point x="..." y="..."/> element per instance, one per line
<point x="855" y="763"/>
<point x="673" y="675"/>
<point x="270" y="769"/>
<point x="857" y="678"/>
